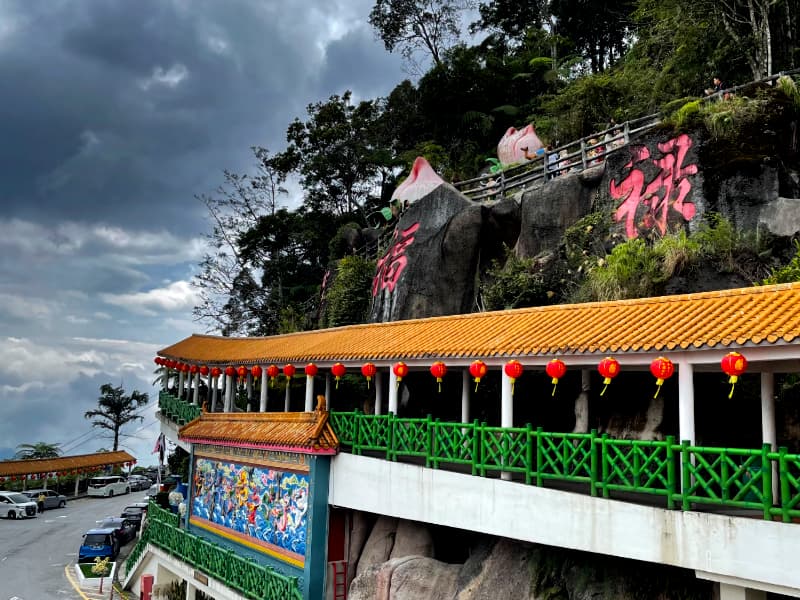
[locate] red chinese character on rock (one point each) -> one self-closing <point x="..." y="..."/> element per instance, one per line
<point x="391" y="266"/>
<point x="668" y="189"/>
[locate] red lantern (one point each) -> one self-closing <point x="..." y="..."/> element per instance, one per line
<point x="608" y="368"/>
<point x="193" y="369"/>
<point x="204" y="370"/>
<point x="289" y="370"/>
<point x="230" y="371"/>
<point x="439" y="370"/>
<point x="733" y="364"/>
<point x="255" y="371"/>
<point x="311" y="370"/>
<point x="338" y="370"/>
<point x="556" y="370"/>
<point x="662" y="369"/>
<point x="513" y="370"/>
<point x="272" y="373"/>
<point x="400" y="370"/>
<point x="157" y="360"/>
<point x="216" y="372"/>
<point x="185" y="367"/>
<point x="478" y="370"/>
<point x="242" y="372"/>
<point x="368" y="370"/>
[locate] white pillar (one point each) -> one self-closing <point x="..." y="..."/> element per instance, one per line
<point x="180" y="384"/>
<point x="328" y="391"/>
<point x="506" y="411"/>
<point x="191" y="591"/>
<point x="165" y="379"/>
<point x="686" y="402"/>
<point x="230" y="388"/>
<point x="378" y="391"/>
<point x="196" y="395"/>
<point x="393" y="385"/>
<point x="264" y="385"/>
<point x="288" y="397"/>
<point x="249" y="391"/>
<point x="465" y="396"/>
<point x="214" y="383"/>
<point x="582" y="403"/>
<point x="309" y="394"/>
<point x="729" y="591"/>
<point x="769" y="432"/>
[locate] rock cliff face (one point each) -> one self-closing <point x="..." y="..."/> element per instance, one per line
<point x="663" y="182"/>
<point x="499" y="569"/>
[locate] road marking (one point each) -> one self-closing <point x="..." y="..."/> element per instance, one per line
<point x="4" y="560"/>
<point x="74" y="583"/>
<point x="62" y="516"/>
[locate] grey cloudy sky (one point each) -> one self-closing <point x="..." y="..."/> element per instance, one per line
<point x="113" y="116"/>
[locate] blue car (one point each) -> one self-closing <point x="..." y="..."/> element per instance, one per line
<point x="98" y="542"/>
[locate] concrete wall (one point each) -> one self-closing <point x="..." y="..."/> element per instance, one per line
<point x="754" y="552"/>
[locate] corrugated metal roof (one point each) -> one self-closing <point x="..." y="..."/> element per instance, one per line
<point x="306" y="432"/>
<point x="729" y="318"/>
<point x="10" y="468"/>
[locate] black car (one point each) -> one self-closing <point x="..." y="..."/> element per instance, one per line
<point x="124" y="529"/>
<point x="134" y="513"/>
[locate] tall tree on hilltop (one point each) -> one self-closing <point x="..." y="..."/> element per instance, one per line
<point x="37" y="450"/>
<point x="115" y="410"/>
<point x="412" y="26"/>
<point x="227" y="281"/>
<point x="333" y="154"/>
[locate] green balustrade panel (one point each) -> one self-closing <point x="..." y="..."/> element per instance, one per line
<point x="647" y="467"/>
<point x="683" y="475"/>
<point x="242" y="574"/>
<point x="177" y="410"/>
<point x="563" y="456"/>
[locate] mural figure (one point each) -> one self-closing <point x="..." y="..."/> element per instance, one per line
<point x="645" y="206"/>
<point x="256" y="502"/>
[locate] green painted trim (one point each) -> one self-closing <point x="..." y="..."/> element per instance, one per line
<point x="316" y="565"/>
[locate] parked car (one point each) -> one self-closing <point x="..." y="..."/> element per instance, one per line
<point x="134" y="513"/>
<point x="14" y="505"/>
<point x="123" y="528"/>
<point x="51" y="499"/>
<point x="139" y="482"/>
<point x="98" y="542"/>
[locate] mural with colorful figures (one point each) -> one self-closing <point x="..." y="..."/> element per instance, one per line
<point x="263" y="506"/>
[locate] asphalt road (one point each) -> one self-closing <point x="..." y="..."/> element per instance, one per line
<point x="34" y="552"/>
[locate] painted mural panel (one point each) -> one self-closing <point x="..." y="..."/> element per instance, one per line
<point x="260" y="506"/>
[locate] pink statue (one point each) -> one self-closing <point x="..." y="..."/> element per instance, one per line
<point x="518" y="146"/>
<point x="420" y="182"/>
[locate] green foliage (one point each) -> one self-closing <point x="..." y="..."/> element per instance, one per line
<point x="37" y="450"/>
<point x="585" y="240"/>
<point x="686" y="115"/>
<point x="787" y="273"/>
<point x="339" y="245"/>
<point x="515" y="282"/>
<point x="115" y="410"/>
<point x="632" y="270"/>
<point x="677" y="252"/>
<point x="178" y="462"/>
<point x="729" y="249"/>
<point x="348" y="297"/>
<point x="726" y="119"/>
<point x="788" y="87"/>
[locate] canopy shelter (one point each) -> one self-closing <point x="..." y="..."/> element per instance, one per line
<point x="63" y="465"/>
<point x="693" y="331"/>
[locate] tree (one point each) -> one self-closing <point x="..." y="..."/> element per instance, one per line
<point x="115" y="410"/>
<point x="414" y="25"/>
<point x="37" y="450"/>
<point x="224" y="274"/>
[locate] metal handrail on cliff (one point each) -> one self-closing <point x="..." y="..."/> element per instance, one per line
<point x="580" y="154"/>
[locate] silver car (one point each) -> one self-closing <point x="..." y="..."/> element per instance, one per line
<point x="51" y="499"/>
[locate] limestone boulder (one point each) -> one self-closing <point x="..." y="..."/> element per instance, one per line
<point x="379" y="544"/>
<point x="412" y="539"/>
<point x="408" y="578"/>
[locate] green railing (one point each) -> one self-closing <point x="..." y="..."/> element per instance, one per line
<point x="682" y="474"/>
<point x="176" y="409"/>
<point x="241" y="574"/>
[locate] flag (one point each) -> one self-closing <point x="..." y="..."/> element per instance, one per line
<point x="159" y="447"/>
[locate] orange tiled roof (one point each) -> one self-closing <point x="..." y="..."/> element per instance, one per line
<point x="735" y="318"/>
<point x="305" y="432"/>
<point x="10" y="468"/>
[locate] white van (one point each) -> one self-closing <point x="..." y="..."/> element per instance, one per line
<point x="14" y="505"/>
<point x="108" y="486"/>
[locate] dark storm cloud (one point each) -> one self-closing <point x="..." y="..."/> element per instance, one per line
<point x="126" y="110"/>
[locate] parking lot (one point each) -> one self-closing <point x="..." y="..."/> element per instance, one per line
<point x="34" y="552"/>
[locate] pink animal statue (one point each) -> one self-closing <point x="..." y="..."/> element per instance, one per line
<point x="420" y="182"/>
<point x="518" y="146"/>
